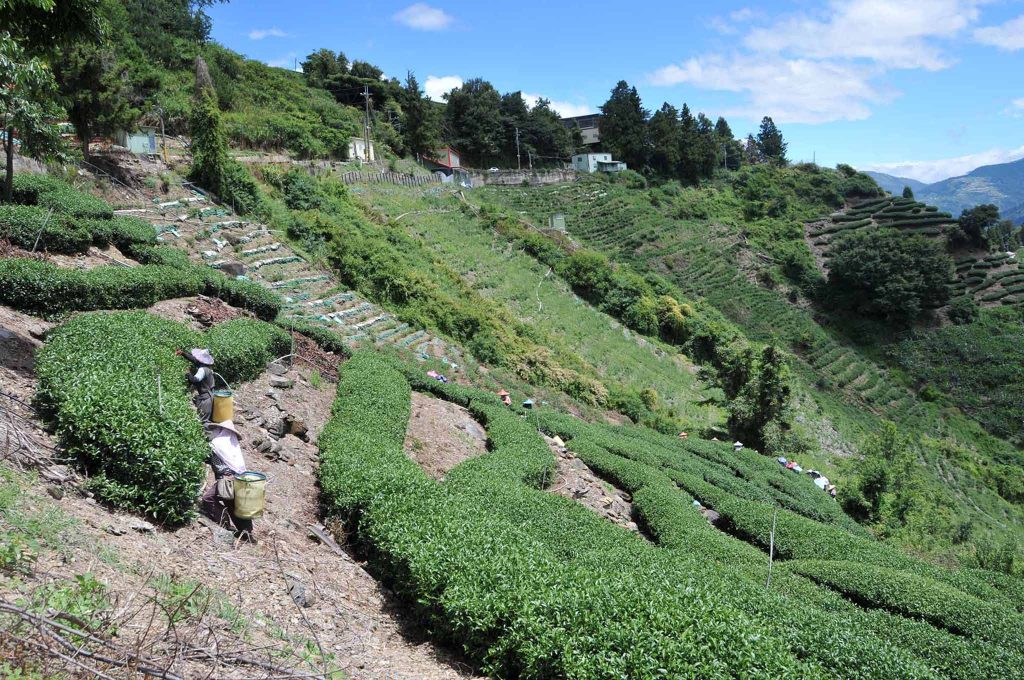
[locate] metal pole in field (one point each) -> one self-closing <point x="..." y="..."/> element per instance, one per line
<point x="519" y="159"/>
<point x="771" y="548"/>
<point x="366" y="123"/>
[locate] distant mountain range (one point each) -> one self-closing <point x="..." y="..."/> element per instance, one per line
<point x="1001" y="184"/>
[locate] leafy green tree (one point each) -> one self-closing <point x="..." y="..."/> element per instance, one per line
<point x="211" y="166"/>
<point x="665" y="140"/>
<point x="515" y="115"/>
<point x="1005" y="235"/>
<point x="549" y="138"/>
<point x="365" y="70"/>
<point x="324" y="68"/>
<point x="623" y="126"/>
<point x="888" y="274"/>
<point x="94" y="84"/>
<point x="731" y="147"/>
<point x="762" y="398"/>
<point x="973" y="225"/>
<point x="908" y="192"/>
<point x="885" y="487"/>
<point x="707" y="151"/>
<point x="473" y="122"/>
<point x="26" y="108"/>
<point x="770" y="144"/>
<point x="169" y="32"/>
<point x="422" y="127"/>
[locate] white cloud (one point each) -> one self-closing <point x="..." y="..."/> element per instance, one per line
<point x="438" y="86"/>
<point x="729" y="25"/>
<point x="261" y="33"/>
<point x="937" y="170"/>
<point x="1016" y="108"/>
<point x="825" y="63"/>
<point x="423" y="17"/>
<point x="563" y="109"/>
<point x="898" y="34"/>
<point x="788" y="90"/>
<point x="1009" y="36"/>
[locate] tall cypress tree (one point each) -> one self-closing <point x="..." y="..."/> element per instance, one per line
<point x="422" y="127"/>
<point x="770" y="142"/>
<point x="664" y="134"/>
<point x="689" y="151"/>
<point x="623" y="126"/>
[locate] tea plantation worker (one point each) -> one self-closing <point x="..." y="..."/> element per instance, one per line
<point x="201" y="378"/>
<point x="227" y="460"/>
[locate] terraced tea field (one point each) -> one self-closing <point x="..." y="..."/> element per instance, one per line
<point x="904" y="214"/>
<point x="705" y="260"/>
<point x="535" y="294"/>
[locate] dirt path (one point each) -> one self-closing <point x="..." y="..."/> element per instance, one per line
<point x="293" y="595"/>
<point x="441" y="435"/>
<point x="575" y="480"/>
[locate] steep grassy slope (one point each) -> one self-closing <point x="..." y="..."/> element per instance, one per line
<point x="705" y="242"/>
<point x="538" y="296"/>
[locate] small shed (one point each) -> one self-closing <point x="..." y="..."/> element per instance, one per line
<point x="142" y="141"/>
<point x="557" y="222"/>
<point x="445" y="160"/>
<point x="357" y="150"/>
<point x="596" y="162"/>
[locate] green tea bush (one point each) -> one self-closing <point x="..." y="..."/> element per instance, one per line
<point x="47" y="290"/>
<point x="49" y="192"/>
<point x="243" y="347"/>
<point x="22" y="225"/>
<point x="142" y="444"/>
<point x="918" y="596"/>
<point x="98" y="378"/>
<point x="530" y="584"/>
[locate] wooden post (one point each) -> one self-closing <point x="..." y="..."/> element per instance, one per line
<point x="771" y="548"/>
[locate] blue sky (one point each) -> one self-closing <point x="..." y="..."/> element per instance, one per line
<point x="923" y="88"/>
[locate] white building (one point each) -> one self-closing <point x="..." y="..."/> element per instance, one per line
<point x="596" y="162"/>
<point x="589" y="126"/>
<point x="357" y="150"/>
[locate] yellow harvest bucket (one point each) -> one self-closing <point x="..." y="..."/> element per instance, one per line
<point x="223" y="406"/>
<point x="250" y="494"/>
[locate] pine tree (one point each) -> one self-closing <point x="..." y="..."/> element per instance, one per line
<point x="623" y="126"/>
<point x="908" y="192"/>
<point x="751" y="152"/>
<point x="422" y="129"/>
<point x="770" y="143"/>
<point x="665" y="138"/>
<point x="731" y="147"/>
<point x="707" y="148"/>
<point x="473" y="121"/>
<point x="689" y="151"/>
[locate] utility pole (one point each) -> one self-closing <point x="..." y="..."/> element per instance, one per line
<point x="519" y="159"/>
<point x="529" y="155"/>
<point x="725" y="156"/>
<point x="366" y="123"/>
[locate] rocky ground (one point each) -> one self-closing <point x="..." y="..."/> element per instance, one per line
<point x="575" y="480"/>
<point x="441" y="435"/>
<point x="291" y="601"/>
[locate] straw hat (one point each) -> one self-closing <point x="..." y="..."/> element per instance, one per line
<point x="503" y="393"/>
<point x="229" y="426"/>
<point x="201" y="356"/>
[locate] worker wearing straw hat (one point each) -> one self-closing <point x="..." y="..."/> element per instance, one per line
<point x="506" y="399"/>
<point x="227" y="461"/>
<point x="200" y="376"/>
